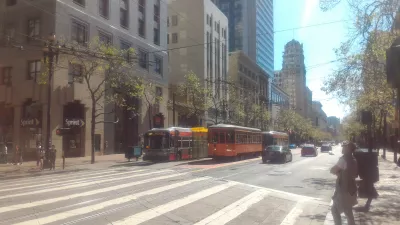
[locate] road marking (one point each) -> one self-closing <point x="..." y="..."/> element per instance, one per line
<point x="79" y="185"/>
<point x="102" y="205"/>
<point x="233" y="210"/>
<point x="52" y="177"/>
<point x="162" y="209"/>
<point x="72" y="181"/>
<point x="215" y="166"/>
<point x="291" y="217"/>
<point x="9" y="208"/>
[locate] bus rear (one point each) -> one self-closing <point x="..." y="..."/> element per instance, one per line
<point x="157" y="144"/>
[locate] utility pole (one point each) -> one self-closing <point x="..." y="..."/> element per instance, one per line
<point x="173" y="109"/>
<point x="49" y="52"/>
<point x="384" y="134"/>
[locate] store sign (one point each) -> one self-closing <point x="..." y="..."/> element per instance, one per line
<point x="158" y="120"/>
<point x="30" y="122"/>
<point x="74" y="123"/>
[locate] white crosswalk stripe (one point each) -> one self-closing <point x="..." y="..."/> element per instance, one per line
<point x="145" y="196"/>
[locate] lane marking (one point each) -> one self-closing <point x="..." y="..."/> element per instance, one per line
<point x="9" y="208"/>
<point x="71" y="181"/>
<point x="80" y="185"/>
<point x="291" y="217"/>
<point x="218" y="165"/>
<point x="43" y="178"/>
<point x="235" y="209"/>
<point x="102" y="205"/>
<point x="170" y="206"/>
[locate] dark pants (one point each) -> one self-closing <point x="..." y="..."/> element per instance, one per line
<point x="53" y="162"/>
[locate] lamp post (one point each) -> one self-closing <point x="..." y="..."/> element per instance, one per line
<point x="50" y="51"/>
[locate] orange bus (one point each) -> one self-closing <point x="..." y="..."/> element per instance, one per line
<point x="274" y="138"/>
<point x="175" y="143"/>
<point x="233" y="141"/>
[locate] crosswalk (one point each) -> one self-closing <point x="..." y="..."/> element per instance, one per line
<point x="147" y="196"/>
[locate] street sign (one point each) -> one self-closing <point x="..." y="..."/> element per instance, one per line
<point x="74" y="123"/>
<point x="30" y="122"/>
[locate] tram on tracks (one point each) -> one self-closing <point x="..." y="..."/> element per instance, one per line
<point x="234" y="142"/>
<point x="175" y="143"/>
<point x="274" y="138"/>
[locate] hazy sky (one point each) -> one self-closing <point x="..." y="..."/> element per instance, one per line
<point x="319" y="42"/>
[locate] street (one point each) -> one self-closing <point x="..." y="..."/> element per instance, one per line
<point x="185" y="192"/>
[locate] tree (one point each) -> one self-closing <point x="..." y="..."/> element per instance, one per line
<point x="106" y="74"/>
<point x="194" y="97"/>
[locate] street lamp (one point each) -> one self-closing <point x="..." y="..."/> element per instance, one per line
<point x="50" y="51"/>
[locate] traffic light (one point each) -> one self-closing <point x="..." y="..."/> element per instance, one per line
<point x="63" y="131"/>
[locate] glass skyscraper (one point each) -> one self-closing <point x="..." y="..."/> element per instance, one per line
<point x="251" y="29"/>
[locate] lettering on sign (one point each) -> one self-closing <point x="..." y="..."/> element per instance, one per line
<point x="29" y="122"/>
<point x="74" y="123"/>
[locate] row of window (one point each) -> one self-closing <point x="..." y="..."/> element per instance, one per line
<point x="104" y="11"/>
<point x="217" y="25"/>
<point x="240" y="138"/>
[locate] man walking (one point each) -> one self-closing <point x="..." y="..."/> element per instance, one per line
<point x="345" y="196"/>
<point x="52" y="157"/>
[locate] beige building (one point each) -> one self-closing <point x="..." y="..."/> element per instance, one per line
<point x="292" y="77"/>
<point x="319" y="118"/>
<point x="251" y="83"/>
<point x="193" y="23"/>
<point x="23" y="101"/>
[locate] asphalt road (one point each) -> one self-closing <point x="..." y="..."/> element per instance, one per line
<point x="196" y="192"/>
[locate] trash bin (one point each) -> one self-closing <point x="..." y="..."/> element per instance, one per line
<point x="133" y="152"/>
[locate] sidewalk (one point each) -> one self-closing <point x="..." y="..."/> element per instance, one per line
<point x="70" y="164"/>
<point x="386" y="208"/>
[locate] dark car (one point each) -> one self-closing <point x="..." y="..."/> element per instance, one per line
<point x="326" y="148"/>
<point x="309" y="150"/>
<point x="277" y="153"/>
<point x="292" y="146"/>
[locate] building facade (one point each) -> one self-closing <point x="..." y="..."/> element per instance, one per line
<point x="320" y="120"/>
<point x="139" y="25"/>
<point x="308" y="103"/>
<point x="250" y="84"/>
<point x="251" y="29"/>
<point x="334" y="125"/>
<point x="293" y="75"/>
<point x="194" y="22"/>
<point x="279" y="101"/>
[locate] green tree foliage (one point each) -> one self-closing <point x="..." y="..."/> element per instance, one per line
<point x="104" y="71"/>
<point x="360" y="78"/>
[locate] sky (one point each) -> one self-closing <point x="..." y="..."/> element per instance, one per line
<point x="318" y="42"/>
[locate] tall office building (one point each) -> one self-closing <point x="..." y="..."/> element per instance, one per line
<point x="251" y="29"/>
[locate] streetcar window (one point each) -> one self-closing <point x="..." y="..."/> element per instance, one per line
<point x="185" y="142"/>
<point x="215" y="137"/>
<point x="222" y="138"/>
<point x="156" y="141"/>
<point x="230" y="137"/>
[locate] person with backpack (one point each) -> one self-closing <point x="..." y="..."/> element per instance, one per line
<point x="345" y="195"/>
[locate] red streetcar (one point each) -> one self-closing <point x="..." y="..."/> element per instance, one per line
<point x="233" y="141"/>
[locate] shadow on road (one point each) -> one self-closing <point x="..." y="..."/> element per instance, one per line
<point x="134" y="164"/>
<point x="320" y="183"/>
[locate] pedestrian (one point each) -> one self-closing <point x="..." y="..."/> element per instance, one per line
<point x="17" y="155"/>
<point x="5" y="154"/>
<point x="41" y="156"/>
<point x="52" y="157"/>
<point x="38" y="152"/>
<point x="345" y="195"/>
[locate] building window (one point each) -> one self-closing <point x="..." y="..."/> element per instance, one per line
<point x="126" y="46"/>
<point x="142" y="18"/>
<point x="104" y="6"/>
<point x="34" y="70"/>
<point x="104" y="38"/>
<point x="79" y="32"/>
<point x="124" y="15"/>
<point x="157" y="11"/>
<point x="158" y="65"/>
<point x="6" y="78"/>
<point x="156" y="36"/>
<point x="174" y="20"/>
<point x="208" y="19"/>
<point x="33" y="29"/>
<point x="167" y="38"/>
<point x="80" y="2"/>
<point x="75" y="73"/>
<point x="174" y="37"/>
<point x="143" y="62"/>
<point x="11" y="2"/>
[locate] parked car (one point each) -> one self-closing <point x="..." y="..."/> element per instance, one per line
<point x="292" y="146"/>
<point x="326" y="148"/>
<point x="277" y="153"/>
<point x="309" y="150"/>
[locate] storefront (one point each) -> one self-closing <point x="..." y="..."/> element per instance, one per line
<point x="31" y="128"/>
<point x="74" y="142"/>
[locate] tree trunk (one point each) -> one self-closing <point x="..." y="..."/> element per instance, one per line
<point x="149" y="112"/>
<point x="93" y="128"/>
